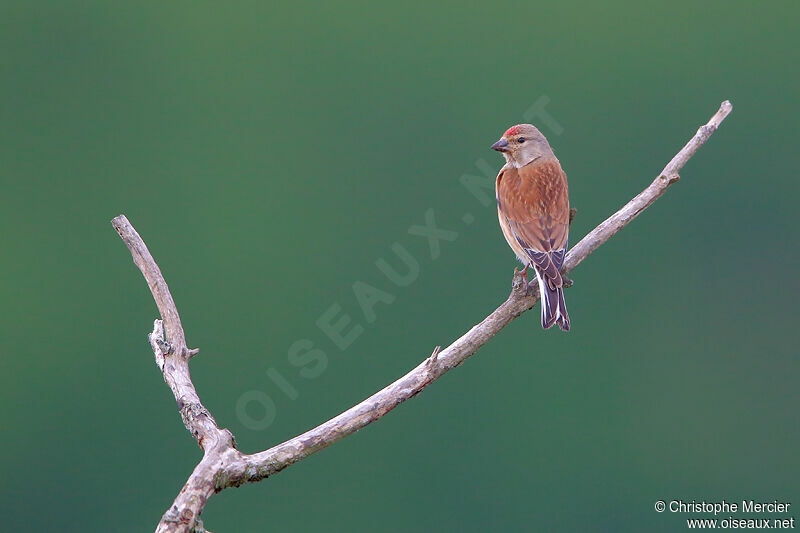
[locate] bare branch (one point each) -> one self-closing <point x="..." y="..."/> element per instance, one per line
<point x="152" y="274"/>
<point x="223" y="466"/>
<point x="642" y="201"/>
<point x="172" y="357"/>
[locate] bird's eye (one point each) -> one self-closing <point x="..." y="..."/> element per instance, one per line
<point x="521" y="140"/>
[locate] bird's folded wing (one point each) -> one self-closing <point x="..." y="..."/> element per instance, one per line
<point x="535" y="201"/>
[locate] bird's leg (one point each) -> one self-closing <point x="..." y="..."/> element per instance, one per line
<point x="525" y="272"/>
<point x="532" y="284"/>
<point x="565" y="280"/>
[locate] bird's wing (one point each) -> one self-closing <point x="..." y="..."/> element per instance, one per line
<point x="535" y="201"/>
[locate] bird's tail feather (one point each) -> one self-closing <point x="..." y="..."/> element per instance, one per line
<point x="554" y="308"/>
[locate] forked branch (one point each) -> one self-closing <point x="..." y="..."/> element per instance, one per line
<point x="224" y="466"/>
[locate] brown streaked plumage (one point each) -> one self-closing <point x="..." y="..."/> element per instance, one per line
<point x="533" y="209"/>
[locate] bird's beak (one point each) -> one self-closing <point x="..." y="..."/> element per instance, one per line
<point x="501" y="145"/>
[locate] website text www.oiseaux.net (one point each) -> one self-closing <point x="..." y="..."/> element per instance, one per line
<point x="727" y="510"/>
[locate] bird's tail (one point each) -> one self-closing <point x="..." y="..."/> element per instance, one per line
<point x="554" y="308"/>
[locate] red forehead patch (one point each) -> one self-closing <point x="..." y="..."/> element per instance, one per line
<point x="513" y="130"/>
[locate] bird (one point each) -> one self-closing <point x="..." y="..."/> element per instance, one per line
<point x="533" y="210"/>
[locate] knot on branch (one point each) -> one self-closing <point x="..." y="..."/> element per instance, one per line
<point x="166" y="348"/>
<point x="670" y="177"/>
<point x="162" y="348"/>
<point x="705" y="131"/>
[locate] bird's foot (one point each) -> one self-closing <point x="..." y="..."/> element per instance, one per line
<point x="519" y="283"/>
<point x="532" y="287"/>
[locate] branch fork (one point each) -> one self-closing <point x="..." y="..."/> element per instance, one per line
<point x="223" y="466"/>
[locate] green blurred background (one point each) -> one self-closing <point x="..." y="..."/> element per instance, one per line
<point x="269" y="154"/>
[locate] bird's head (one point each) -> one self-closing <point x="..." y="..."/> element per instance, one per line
<point x="522" y="144"/>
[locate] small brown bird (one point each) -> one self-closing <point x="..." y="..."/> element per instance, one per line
<point x="533" y="208"/>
